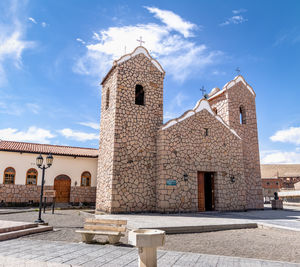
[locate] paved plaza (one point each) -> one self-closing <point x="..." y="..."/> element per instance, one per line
<point x="36" y="253"/>
<point x="289" y="218"/>
<point x="243" y="247"/>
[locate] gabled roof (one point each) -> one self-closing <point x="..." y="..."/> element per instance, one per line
<point x="279" y="170"/>
<point x="214" y="92"/>
<point x="138" y="50"/>
<point x="201" y="105"/>
<point x="13" y="146"/>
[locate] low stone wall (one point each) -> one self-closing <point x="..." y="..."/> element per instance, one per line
<point x="23" y="195"/>
<point x="83" y="194"/>
<point x="20" y="194"/>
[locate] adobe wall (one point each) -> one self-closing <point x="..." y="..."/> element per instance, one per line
<point x="67" y="165"/>
<point x="184" y="148"/>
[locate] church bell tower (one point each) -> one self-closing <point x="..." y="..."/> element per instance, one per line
<point x="131" y="114"/>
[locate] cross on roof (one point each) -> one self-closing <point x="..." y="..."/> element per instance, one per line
<point x="238" y="70"/>
<point x="203" y="90"/>
<point x="141" y="41"/>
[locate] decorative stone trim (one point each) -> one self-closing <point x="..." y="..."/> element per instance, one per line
<point x="201" y="105"/>
<point x="228" y="85"/>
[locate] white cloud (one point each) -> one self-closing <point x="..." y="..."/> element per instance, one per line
<point x="80" y="40"/>
<point x="173" y="21"/>
<point x="217" y="72"/>
<point x="179" y="99"/>
<point x="169" y="115"/>
<point x="12" y="41"/>
<point x="43" y="24"/>
<point x="280" y="157"/>
<point x="11" y="108"/>
<point x="290" y="135"/>
<point x="168" y="42"/>
<point x="77" y="135"/>
<point x="33" y="134"/>
<point x="290" y="37"/>
<point x="238" y="11"/>
<point x="93" y="125"/>
<point x="176" y="106"/>
<point x="34" y="108"/>
<point x="238" y="19"/>
<point x="32" y="20"/>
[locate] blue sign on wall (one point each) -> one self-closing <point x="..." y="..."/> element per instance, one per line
<point x="171" y="182"/>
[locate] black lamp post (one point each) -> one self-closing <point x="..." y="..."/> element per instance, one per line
<point x="39" y="163"/>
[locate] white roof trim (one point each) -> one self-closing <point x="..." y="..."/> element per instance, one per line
<point x="201" y="105"/>
<point x="228" y="85"/>
<point x="137" y="51"/>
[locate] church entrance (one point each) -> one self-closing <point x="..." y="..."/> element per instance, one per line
<point x="62" y="185"/>
<point x="206" y="199"/>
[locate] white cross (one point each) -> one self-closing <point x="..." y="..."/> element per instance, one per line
<point x="141" y="41"/>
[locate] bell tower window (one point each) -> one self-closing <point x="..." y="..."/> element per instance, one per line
<point x="139" y="95"/>
<point x="242" y="115"/>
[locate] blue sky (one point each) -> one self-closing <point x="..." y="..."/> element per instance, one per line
<point x="53" y="55"/>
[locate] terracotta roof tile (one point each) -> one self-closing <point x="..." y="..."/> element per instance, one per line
<point x="46" y="149"/>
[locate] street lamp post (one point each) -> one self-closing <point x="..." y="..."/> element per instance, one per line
<point x="39" y="163"/>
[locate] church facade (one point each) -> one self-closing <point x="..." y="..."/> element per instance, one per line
<point x="207" y="159"/>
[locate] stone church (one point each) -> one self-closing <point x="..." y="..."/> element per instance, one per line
<point x="206" y="159"/>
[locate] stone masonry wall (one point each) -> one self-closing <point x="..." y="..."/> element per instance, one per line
<point x="184" y="148"/>
<point x="16" y="194"/>
<point x="106" y="145"/>
<point x="83" y="194"/>
<point x="10" y="193"/>
<point x="136" y="128"/>
<point x="239" y="95"/>
<point x="236" y="96"/>
<point x="220" y="104"/>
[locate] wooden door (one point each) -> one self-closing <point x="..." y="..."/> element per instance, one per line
<point x="201" y="192"/>
<point x="62" y="185"/>
<point x="213" y="191"/>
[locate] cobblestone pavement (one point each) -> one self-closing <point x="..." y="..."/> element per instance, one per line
<point x="34" y="252"/>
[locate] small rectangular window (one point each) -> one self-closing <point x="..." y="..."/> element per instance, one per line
<point x="139" y="95"/>
<point x="107" y="99"/>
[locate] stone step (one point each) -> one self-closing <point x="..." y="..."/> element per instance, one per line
<point x="9" y="226"/>
<point x="28" y="231"/>
<point x="204" y="228"/>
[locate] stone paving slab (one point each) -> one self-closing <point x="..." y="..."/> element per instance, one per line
<point x="25" y="253"/>
<point x="13" y="262"/>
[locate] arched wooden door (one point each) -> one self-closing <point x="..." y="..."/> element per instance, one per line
<point x="62" y="185"/>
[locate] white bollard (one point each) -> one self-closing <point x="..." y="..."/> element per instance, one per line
<point x="147" y="241"/>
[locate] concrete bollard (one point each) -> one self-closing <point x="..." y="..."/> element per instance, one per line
<point x="277" y="204"/>
<point x="147" y="241"/>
